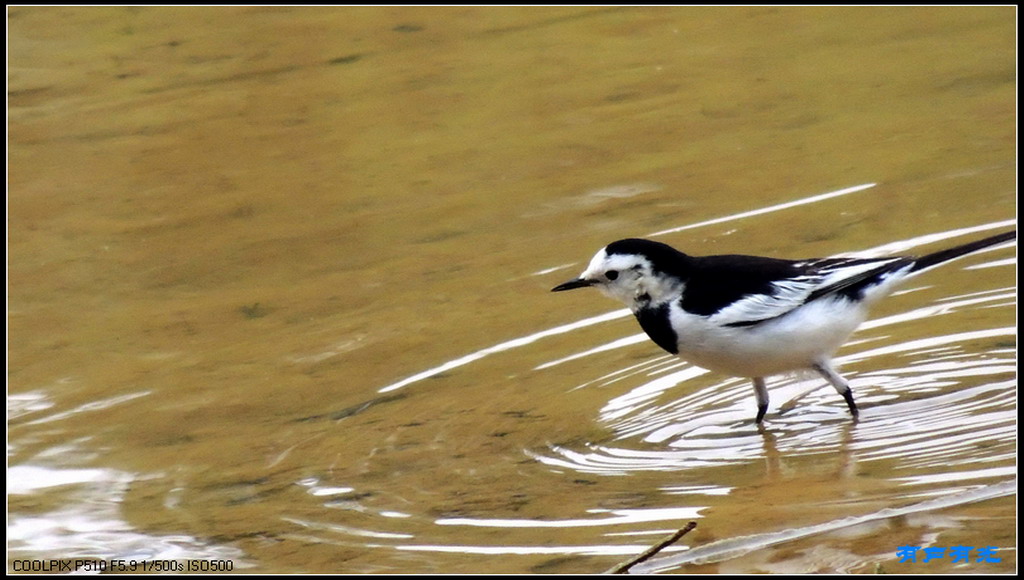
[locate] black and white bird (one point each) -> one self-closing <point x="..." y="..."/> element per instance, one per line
<point x="751" y="316"/>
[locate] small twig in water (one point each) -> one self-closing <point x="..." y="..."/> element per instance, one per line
<point x="624" y="567"/>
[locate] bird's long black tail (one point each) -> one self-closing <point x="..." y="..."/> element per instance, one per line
<point x="941" y="256"/>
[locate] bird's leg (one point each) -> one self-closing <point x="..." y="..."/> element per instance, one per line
<point x="825" y="369"/>
<point x="761" y="392"/>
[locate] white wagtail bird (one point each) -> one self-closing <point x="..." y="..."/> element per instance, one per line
<point x="750" y="316"/>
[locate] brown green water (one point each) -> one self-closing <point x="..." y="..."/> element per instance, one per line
<point x="232" y="230"/>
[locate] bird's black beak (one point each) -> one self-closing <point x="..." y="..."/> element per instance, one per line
<point x="572" y="284"/>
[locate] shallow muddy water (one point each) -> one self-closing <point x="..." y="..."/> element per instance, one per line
<point x="279" y="286"/>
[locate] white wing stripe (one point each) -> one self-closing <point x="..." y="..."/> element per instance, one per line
<point x="794" y="292"/>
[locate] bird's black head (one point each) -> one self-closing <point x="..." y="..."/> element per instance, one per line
<point x="633" y="270"/>
<point x="663" y="257"/>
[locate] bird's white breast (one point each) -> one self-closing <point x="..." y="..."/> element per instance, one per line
<point x="790" y="342"/>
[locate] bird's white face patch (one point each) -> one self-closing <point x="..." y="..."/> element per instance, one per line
<point x="627" y="278"/>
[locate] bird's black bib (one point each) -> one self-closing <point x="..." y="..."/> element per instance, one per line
<point x="655" y="322"/>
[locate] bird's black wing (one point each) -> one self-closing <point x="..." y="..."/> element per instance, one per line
<point x="850" y="277"/>
<point x="747" y="290"/>
<point x="719" y="282"/>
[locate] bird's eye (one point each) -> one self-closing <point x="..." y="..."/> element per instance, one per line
<point x="611" y="274"/>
